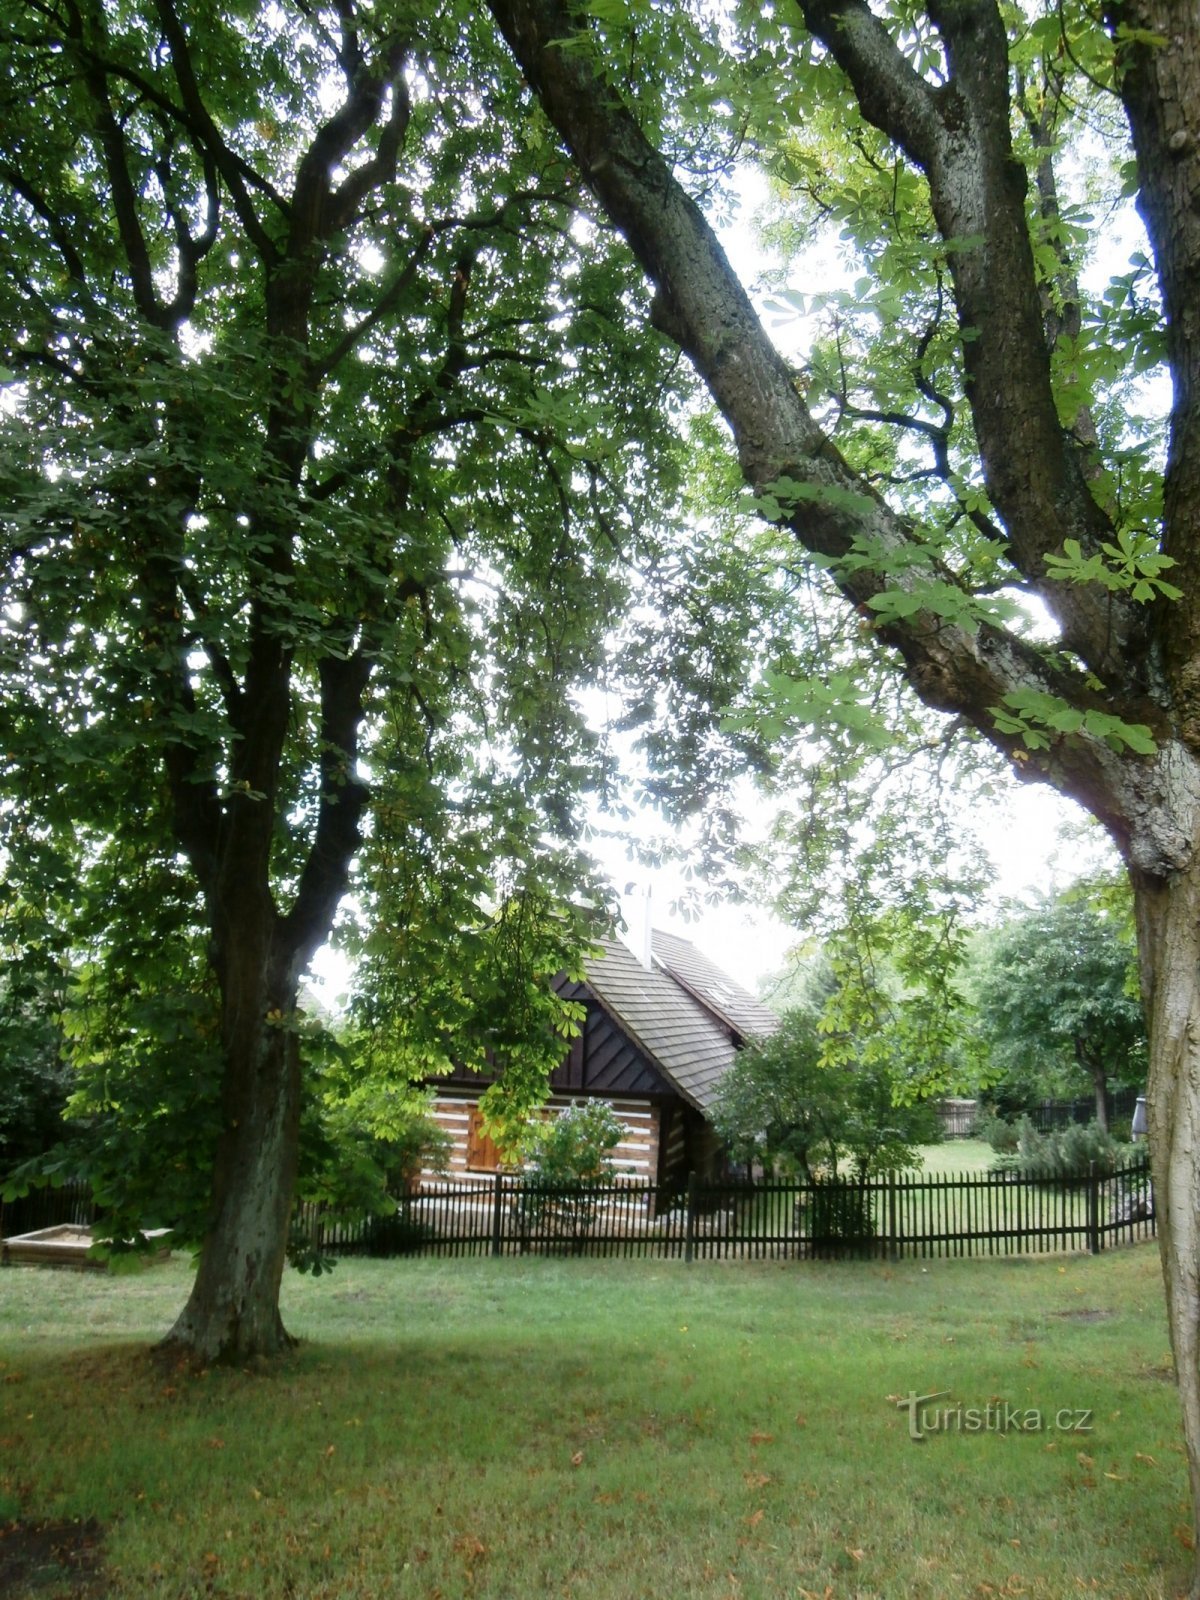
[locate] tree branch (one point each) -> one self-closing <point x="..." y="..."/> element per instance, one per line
<point x="325" y="876"/>
<point x="353" y="337"/>
<point x="232" y="168"/>
<point x="1158" y="71"/>
<point x="959" y="135"/>
<point x="111" y="138"/>
<point x="955" y="666"/>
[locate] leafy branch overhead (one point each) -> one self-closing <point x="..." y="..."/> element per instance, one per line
<point x="974" y="360"/>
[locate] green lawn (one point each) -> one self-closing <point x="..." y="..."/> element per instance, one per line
<point x="955" y="1156"/>
<point x="608" y="1430"/>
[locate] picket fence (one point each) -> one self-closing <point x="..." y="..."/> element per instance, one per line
<point x="903" y="1214"/>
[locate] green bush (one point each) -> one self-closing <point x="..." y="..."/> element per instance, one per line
<point x="575" y="1146"/>
<point x="1070" y="1152"/>
<point x="839" y="1218"/>
<point x="565" y="1157"/>
<point x="996" y="1130"/>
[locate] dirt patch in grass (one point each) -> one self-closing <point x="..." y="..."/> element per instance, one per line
<point x="1084" y="1314"/>
<point x="51" y="1560"/>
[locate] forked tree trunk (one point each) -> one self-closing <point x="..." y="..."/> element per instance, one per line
<point x="232" y="1313"/>
<point x="1168" y="916"/>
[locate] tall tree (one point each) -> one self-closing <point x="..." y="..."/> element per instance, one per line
<point x="1053" y="991"/>
<point x="953" y="115"/>
<point x="321" y="443"/>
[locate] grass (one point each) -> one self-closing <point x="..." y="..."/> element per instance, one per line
<point x="955" y="1157"/>
<point x="609" y="1430"/>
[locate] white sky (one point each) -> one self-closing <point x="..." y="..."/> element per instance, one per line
<point x="1025" y="840"/>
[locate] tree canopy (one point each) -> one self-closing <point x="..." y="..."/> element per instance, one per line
<point x="1057" y="1004"/>
<point x="785" y="1106"/>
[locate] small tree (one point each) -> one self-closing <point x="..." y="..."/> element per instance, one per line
<point x="564" y="1158"/>
<point x="575" y="1147"/>
<point x="783" y="1105"/>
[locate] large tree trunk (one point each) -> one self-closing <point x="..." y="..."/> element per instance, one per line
<point x="232" y="1313"/>
<point x="1168" y="915"/>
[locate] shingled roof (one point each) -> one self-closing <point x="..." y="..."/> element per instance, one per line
<point x="687" y="1015"/>
<point x="716" y="990"/>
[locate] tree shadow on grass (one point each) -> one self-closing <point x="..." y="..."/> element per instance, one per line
<point x="52" y="1561"/>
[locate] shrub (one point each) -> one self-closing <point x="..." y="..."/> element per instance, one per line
<point x="839" y="1214"/>
<point x="996" y="1130"/>
<point x="1070" y="1152"/>
<point x="575" y="1146"/>
<point x="565" y="1157"/>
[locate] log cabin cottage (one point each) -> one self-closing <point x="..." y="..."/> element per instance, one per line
<point x="657" y="1040"/>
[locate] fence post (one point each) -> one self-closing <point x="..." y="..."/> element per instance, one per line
<point x="497" y="1212"/>
<point x="1093" y="1210"/>
<point x="689" y="1237"/>
<point x="893" y="1246"/>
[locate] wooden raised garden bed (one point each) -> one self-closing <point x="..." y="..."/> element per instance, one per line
<point x="65" y="1246"/>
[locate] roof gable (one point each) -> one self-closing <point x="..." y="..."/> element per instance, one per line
<point x="684" y="1032"/>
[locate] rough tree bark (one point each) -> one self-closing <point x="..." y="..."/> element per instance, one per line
<point x="1140" y="663"/>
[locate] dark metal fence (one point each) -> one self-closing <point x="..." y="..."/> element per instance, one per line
<point x="905" y="1214"/>
<point x="71" y="1204"/>
<point x="1055" y="1114"/>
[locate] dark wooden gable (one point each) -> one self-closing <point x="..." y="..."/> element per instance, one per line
<point x="604" y="1059"/>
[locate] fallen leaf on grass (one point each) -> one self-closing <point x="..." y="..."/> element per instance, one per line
<point x="1148" y="1460"/>
<point x="1184" y="1535"/>
<point x="756" y="1480"/>
<point x="577" y="1459"/>
<point x="856" y="1555"/>
<point x="761" y="1438"/>
<point x="755" y="1518"/>
<point x="215" y="1444"/>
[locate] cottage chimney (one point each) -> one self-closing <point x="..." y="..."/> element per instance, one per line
<point x="642" y="938"/>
